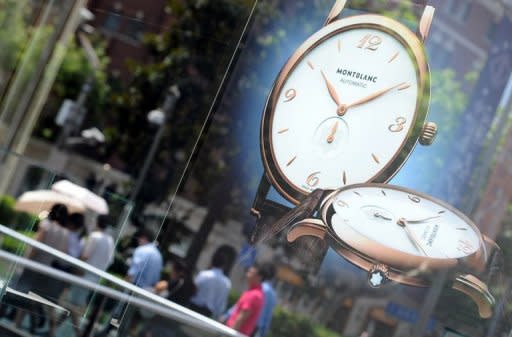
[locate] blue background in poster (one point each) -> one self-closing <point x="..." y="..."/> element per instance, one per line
<point x="421" y="172"/>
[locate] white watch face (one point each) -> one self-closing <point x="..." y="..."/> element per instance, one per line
<point x="345" y="110"/>
<point x="404" y="221"/>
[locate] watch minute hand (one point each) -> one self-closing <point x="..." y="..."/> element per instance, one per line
<point x="412" y="237"/>
<point x="374" y="96"/>
<point x="421" y="220"/>
<point x="415" y="240"/>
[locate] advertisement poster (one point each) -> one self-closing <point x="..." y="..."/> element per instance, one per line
<point x="314" y="107"/>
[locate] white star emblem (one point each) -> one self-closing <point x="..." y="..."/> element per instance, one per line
<point x="376" y="279"/>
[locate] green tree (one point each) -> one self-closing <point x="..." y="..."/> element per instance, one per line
<point x="21" y="44"/>
<point x="194" y="52"/>
<point x="74" y="71"/>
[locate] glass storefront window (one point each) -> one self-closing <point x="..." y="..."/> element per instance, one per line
<point x="361" y="147"/>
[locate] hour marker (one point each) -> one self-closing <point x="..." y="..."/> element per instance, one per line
<point x="342" y="203"/>
<point x="375" y="158"/>
<point x="440" y="212"/>
<point x="311" y="65"/>
<point x="462" y="229"/>
<point x="290" y="94"/>
<point x="291" y="161"/>
<point x="359" y="194"/>
<point x="399" y="126"/>
<point x="370" y="42"/>
<point x="282" y="131"/>
<point x="414" y="198"/>
<point x="344" y="178"/>
<point x="313" y="179"/>
<point x="393" y="57"/>
<point x="383" y="192"/>
<point x="339" y="46"/>
<point x="404" y="86"/>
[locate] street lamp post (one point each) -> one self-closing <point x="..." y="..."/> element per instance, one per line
<point x="157" y="117"/>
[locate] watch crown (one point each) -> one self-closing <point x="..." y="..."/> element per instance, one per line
<point x="428" y="133"/>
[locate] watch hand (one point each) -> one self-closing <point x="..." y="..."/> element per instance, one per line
<point x="378" y="215"/>
<point x="403" y="223"/>
<point x="334" y="128"/>
<point x="332" y="91"/>
<point x="421" y="220"/>
<point x="343" y="108"/>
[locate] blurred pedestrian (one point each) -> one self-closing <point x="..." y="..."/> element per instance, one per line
<point x="146" y="263"/>
<point x="51" y="232"/>
<point x="212" y="289"/>
<point x="180" y="287"/>
<point x="98" y="248"/>
<point x="248" y="308"/>
<point x="145" y="268"/>
<point x="270" y="300"/>
<point x="76" y="225"/>
<point x="98" y="251"/>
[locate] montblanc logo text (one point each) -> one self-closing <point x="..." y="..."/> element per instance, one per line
<point x="357" y="75"/>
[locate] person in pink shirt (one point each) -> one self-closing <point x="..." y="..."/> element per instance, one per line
<point x="248" y="307"/>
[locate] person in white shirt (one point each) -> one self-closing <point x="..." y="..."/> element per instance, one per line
<point x="212" y="289"/>
<point x="98" y="248"/>
<point x="98" y="251"/>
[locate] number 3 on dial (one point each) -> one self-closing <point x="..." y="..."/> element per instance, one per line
<point x="398" y="126"/>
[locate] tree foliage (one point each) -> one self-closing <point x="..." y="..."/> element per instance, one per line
<point x="194" y="53"/>
<point x="73" y="73"/>
<point x="288" y="324"/>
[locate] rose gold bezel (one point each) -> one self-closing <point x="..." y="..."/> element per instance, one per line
<point x="365" y="263"/>
<point x="416" y="51"/>
<point x="362" y="245"/>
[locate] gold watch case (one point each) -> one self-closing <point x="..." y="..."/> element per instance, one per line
<point x="412" y="44"/>
<point x="396" y="259"/>
<point x="399" y="266"/>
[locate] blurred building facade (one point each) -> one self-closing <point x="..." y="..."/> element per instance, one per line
<point x="123" y="24"/>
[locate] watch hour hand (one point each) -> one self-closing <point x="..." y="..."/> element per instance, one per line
<point x="332" y="91"/>
<point x="378" y="215"/>
<point x="306" y="209"/>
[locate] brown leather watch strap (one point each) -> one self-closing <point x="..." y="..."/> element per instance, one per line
<point x="368" y="6"/>
<point x="272" y="217"/>
<point x="265" y="211"/>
